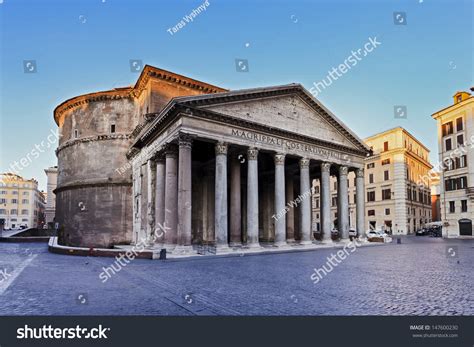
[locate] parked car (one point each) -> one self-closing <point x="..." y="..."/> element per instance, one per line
<point x="422" y="232"/>
<point x="378" y="236"/>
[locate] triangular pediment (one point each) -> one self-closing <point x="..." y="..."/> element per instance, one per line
<point x="293" y="111"/>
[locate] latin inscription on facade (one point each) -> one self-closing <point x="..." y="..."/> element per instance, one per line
<point x="287" y="144"/>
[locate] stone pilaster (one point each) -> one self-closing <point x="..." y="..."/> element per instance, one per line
<point x="305" y="206"/>
<point x="160" y="199"/>
<point x="235" y="203"/>
<point x="252" y="198"/>
<point x="343" y="204"/>
<point x="279" y="216"/>
<point x="151" y="199"/>
<point x="325" y="203"/>
<point x="171" y="197"/>
<point x="290" y="215"/>
<point x="184" y="195"/>
<point x="220" y="223"/>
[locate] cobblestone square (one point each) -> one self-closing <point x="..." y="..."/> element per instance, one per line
<point x="420" y="276"/>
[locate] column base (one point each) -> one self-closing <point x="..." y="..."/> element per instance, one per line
<point x="253" y="246"/>
<point x="290" y="241"/>
<point x="306" y="242"/>
<point x="327" y="242"/>
<point x="344" y="240"/>
<point x="183" y="250"/>
<point x="223" y="249"/>
<point x="235" y="244"/>
<point x="280" y="244"/>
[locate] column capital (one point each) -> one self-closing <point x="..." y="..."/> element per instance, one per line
<point x="221" y="148"/>
<point x="359" y="173"/>
<point x="252" y="153"/>
<point x="171" y="150"/>
<point x="343" y="170"/>
<point x="325" y="167"/>
<point x="185" y="140"/>
<point x="304" y="163"/>
<point x="279" y="159"/>
<point x="159" y="157"/>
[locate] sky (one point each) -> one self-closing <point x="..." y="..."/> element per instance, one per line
<point x="74" y="47"/>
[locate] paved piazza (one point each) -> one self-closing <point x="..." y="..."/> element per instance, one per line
<point x="417" y="277"/>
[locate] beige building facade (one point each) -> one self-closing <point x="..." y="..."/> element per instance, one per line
<point x="456" y="164"/>
<point x="395" y="199"/>
<point x="21" y="203"/>
<point x="50" y="208"/>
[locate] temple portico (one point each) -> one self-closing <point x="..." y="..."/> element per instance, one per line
<point x="207" y="175"/>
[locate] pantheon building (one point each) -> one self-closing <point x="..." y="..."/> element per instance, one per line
<point x="177" y="163"/>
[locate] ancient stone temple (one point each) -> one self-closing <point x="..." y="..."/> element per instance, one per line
<point x="235" y="168"/>
<point x="176" y="163"/>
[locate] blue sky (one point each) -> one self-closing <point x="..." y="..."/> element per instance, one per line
<point x="84" y="46"/>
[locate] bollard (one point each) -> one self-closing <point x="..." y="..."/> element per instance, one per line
<point x="399" y="241"/>
<point x="163" y="254"/>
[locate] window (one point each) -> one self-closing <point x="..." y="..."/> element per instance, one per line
<point x="25" y="212"/>
<point x="448" y="145"/>
<point x="459" y="125"/>
<point x="317" y="203"/>
<point x="112" y="128"/>
<point x="461" y="162"/>
<point x="14" y="211"/>
<point x="386" y="194"/>
<point x="447" y="128"/>
<point x="3" y="201"/>
<point x="76" y="133"/>
<point x="387" y="211"/>
<point x="371" y="212"/>
<point x="370" y="165"/>
<point x="371" y="178"/>
<point x="334" y="201"/>
<point x="385" y="146"/>
<point x="316" y="189"/>
<point x="452" y="209"/>
<point x="25" y="201"/>
<point x="449" y="164"/>
<point x="3" y="211"/>
<point x="385" y="161"/>
<point x="335" y="185"/>
<point x="460" y="140"/>
<point x="14" y="201"/>
<point x="25" y="193"/>
<point x="24" y="220"/>
<point x="371" y="196"/>
<point x="386" y="175"/>
<point x="455" y="183"/>
<point x="463" y="205"/>
<point x="4" y="192"/>
<point x="15" y="192"/>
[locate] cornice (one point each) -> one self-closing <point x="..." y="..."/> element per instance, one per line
<point x="104" y="137"/>
<point x="178" y="110"/>
<point x="114" y="94"/>
<point x="135" y="92"/>
<point x="150" y="71"/>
